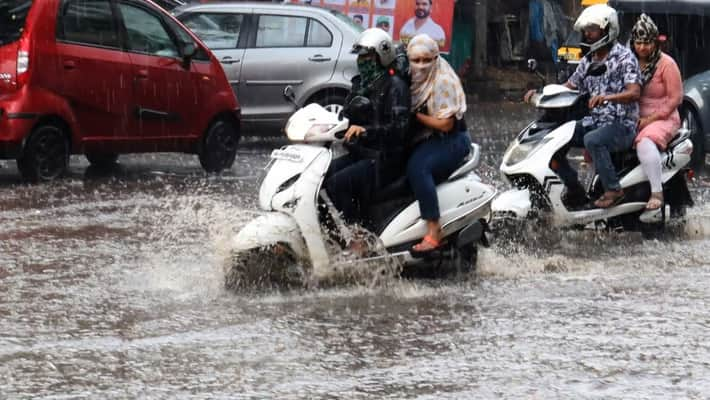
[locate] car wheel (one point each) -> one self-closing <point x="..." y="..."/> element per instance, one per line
<point x="697" y="160"/>
<point x="332" y="102"/>
<point x="219" y="146"/>
<point x="45" y="156"/>
<point x="102" y="160"/>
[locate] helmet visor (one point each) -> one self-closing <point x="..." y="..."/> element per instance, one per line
<point x="361" y="50"/>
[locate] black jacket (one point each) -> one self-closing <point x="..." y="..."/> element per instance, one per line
<point x="388" y="136"/>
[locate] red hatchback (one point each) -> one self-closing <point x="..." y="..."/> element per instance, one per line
<point x="106" y="77"/>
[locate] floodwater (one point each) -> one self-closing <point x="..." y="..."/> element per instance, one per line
<point x="111" y="288"/>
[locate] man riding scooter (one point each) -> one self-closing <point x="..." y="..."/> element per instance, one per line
<point x="377" y="140"/>
<point x="613" y="104"/>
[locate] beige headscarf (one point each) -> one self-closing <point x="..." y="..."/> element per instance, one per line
<point x="434" y="83"/>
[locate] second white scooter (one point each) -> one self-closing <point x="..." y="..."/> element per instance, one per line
<point x="537" y="189"/>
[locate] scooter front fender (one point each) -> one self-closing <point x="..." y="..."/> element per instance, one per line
<point x="512" y="202"/>
<point x="270" y="229"/>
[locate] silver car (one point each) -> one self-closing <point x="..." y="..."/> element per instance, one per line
<point x="696" y="116"/>
<point x="265" y="47"/>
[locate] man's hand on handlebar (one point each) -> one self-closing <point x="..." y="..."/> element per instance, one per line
<point x="597" y="101"/>
<point x="353" y="132"/>
<point x="528" y="95"/>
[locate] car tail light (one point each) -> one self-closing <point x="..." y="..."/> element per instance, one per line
<point x="23" y="61"/>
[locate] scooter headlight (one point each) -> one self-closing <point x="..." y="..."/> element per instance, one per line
<point x="317" y="130"/>
<point x="519" y="151"/>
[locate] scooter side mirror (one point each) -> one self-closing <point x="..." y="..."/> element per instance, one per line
<point x="532" y="65"/>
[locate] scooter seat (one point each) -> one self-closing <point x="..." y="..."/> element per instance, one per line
<point x="396" y="189"/>
<point x="682" y="134"/>
<point x="400" y="187"/>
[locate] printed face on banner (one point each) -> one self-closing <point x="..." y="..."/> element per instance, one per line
<point x="425" y="17"/>
<point x="360" y="19"/>
<point x="384" y="22"/>
<point x="403" y="19"/>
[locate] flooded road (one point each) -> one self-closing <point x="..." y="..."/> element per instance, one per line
<point x="111" y="288"/>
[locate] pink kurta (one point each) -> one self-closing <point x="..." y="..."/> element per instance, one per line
<point x="662" y="96"/>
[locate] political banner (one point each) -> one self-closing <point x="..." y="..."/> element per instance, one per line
<point x="403" y="19"/>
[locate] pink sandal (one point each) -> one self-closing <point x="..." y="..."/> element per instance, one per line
<point x="427" y="244"/>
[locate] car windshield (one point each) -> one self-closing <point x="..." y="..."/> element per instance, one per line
<point x="12" y="19"/>
<point x="348" y="21"/>
<point x="217" y="30"/>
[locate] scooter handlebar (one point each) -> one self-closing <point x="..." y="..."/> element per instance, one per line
<point x="353" y="139"/>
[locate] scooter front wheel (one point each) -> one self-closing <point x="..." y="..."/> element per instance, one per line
<point x="267" y="267"/>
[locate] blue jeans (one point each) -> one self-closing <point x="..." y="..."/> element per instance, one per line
<point x="600" y="142"/>
<point x="432" y="161"/>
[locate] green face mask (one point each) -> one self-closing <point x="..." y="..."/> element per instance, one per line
<point x="370" y="71"/>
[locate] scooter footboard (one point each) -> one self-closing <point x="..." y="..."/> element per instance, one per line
<point x="270" y="229"/>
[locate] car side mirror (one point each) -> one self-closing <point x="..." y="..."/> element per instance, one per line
<point x="188" y="51"/>
<point x="289" y="94"/>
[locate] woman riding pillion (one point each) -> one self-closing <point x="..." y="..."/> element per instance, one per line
<point x="377" y="141"/>
<point x="661" y="96"/>
<point x="441" y="139"/>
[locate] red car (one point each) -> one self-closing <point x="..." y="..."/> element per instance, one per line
<point x="107" y="77"/>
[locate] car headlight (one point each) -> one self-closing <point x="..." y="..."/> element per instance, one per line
<point x="518" y="151"/>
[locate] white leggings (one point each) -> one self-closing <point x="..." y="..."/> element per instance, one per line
<point x="650" y="159"/>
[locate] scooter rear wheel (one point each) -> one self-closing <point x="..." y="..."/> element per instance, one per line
<point x="466" y="259"/>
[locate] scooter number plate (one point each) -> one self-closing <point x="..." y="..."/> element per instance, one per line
<point x="287" y="155"/>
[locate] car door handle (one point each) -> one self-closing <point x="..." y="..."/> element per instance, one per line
<point x="228" y="60"/>
<point x="318" y="58"/>
<point x="69" y="65"/>
<point x="142" y="74"/>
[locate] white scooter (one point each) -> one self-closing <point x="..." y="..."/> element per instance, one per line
<point x="537" y="190"/>
<point x="297" y="225"/>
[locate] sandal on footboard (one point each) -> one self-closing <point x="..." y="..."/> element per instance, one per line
<point x="609" y="199"/>
<point x="428" y="244"/>
<point x="655" y="201"/>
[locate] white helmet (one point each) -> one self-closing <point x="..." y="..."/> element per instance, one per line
<point x="605" y="18"/>
<point x="377" y="40"/>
